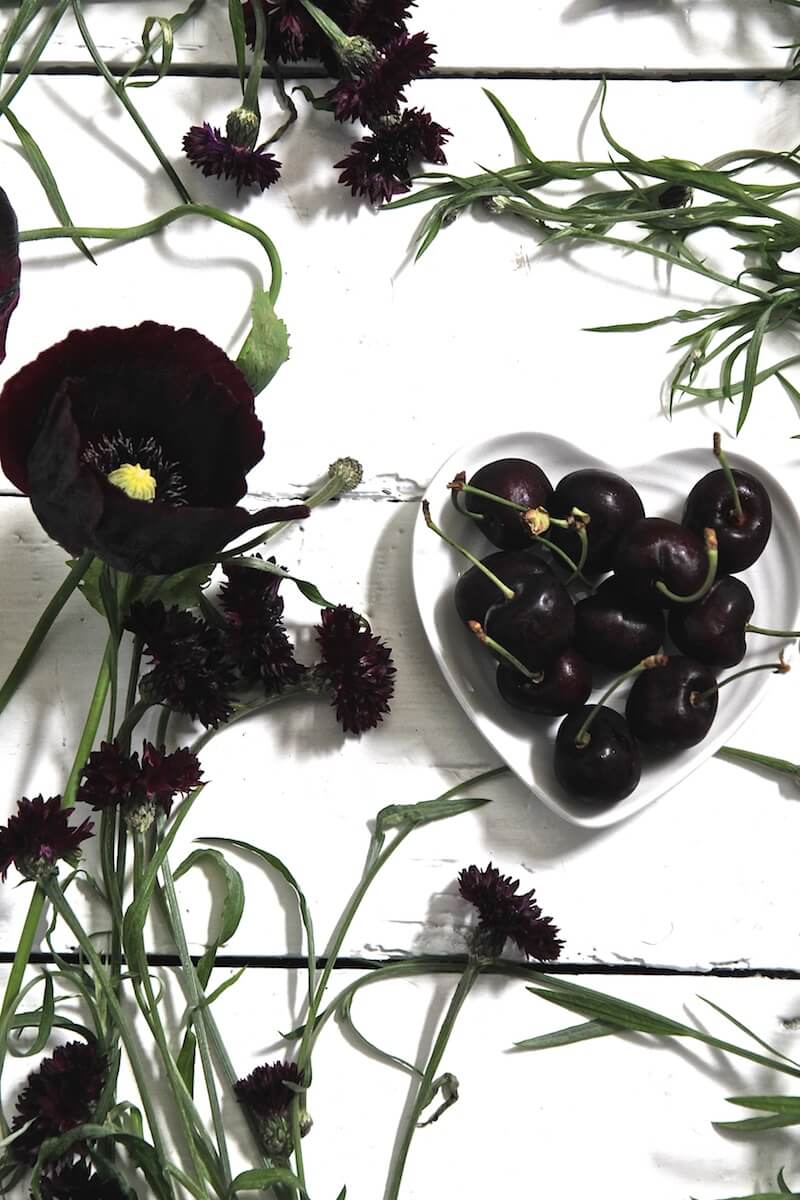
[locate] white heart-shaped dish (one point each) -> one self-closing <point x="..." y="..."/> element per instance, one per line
<point x="524" y="741"/>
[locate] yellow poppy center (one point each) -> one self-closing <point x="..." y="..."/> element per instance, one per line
<point x="135" y="480"/>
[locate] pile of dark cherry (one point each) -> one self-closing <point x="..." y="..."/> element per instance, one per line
<point x="668" y="580"/>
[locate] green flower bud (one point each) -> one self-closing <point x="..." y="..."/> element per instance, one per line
<point x="242" y="127"/>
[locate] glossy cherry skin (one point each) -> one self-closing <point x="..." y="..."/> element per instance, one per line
<point x="605" y="770"/>
<point x="514" y="479"/>
<point x="712" y="631"/>
<point x="474" y="593"/>
<point x="613" y="505"/>
<point x="566" y="684"/>
<point x="710" y="505"/>
<point x="663" y="710"/>
<point x="536" y="624"/>
<point x="656" y="550"/>
<point x="615" y="631"/>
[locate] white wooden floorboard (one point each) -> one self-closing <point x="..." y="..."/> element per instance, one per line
<point x="570" y="34"/>
<point x="632" y="1114"/>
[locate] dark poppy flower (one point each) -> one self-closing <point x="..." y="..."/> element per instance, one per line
<point x="77" y="1181"/>
<point x="9" y="267"/>
<point x="356" y="666"/>
<point x="191" y="671"/>
<point x="256" y="637"/>
<point x="213" y="154"/>
<point x="379" y="166"/>
<point x="379" y="88"/>
<point x="38" y="836"/>
<point x="135" y="444"/>
<point x="502" y="914"/>
<point x="112" y="779"/>
<point x="60" y="1095"/>
<point x="265" y="1093"/>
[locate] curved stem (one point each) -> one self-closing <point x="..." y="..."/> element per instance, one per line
<point x="121" y="92"/>
<point x="43" y="627"/>
<point x="781" y="633"/>
<point x="424" y="1093"/>
<point x="653" y="660"/>
<point x="132" y="233"/>
<point x="779" y="668"/>
<point x="728" y="473"/>
<point x="712" y="556"/>
<point x="501" y="652"/>
<point x="508" y="592"/>
<point x="251" y="710"/>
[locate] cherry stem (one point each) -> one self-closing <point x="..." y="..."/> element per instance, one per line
<point x="712" y="552"/>
<point x="788" y="633"/>
<point x="458" y="485"/>
<point x="778" y="668"/>
<point x="726" y="467"/>
<point x="653" y="660"/>
<point x="501" y="652"/>
<point x="460" y="509"/>
<point x="508" y="592"/>
<point x="762" y="760"/>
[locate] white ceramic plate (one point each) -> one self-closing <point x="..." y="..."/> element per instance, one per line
<point x="526" y="741"/>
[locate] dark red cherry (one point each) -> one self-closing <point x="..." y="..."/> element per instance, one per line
<point x="474" y="592"/>
<point x="654" y="550"/>
<point x="536" y="623"/>
<point x="514" y="479"/>
<point x="613" y="505"/>
<point x="565" y="683"/>
<point x="604" y="770"/>
<point x="710" y="504"/>
<point x="674" y="707"/>
<point x="615" y="631"/>
<point x="712" y="631"/>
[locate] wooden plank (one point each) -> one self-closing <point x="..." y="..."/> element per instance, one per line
<point x="641" y="1111"/>
<point x="579" y="35"/>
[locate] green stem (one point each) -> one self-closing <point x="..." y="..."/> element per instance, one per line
<point x="163" y="725"/>
<point x="424" y="1093"/>
<point x="728" y="473"/>
<point x="501" y="652"/>
<point x="52" y="890"/>
<point x="132" y="233"/>
<point x="763" y="760"/>
<point x="329" y="27"/>
<point x="121" y="92"/>
<point x="250" y="710"/>
<point x="712" y="557"/>
<point x="36" y="52"/>
<point x="508" y="592"/>
<point x="779" y="668"/>
<point x="96" y="706"/>
<point x="43" y="626"/>
<point x="250" y="94"/>
<point x="781" y="633"/>
<point x="23" y="951"/>
<point x="132" y="718"/>
<point x="343" y="476"/>
<point x="654" y="660"/>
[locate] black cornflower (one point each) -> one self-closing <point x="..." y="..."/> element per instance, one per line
<point x="60" y="1095"/>
<point x="265" y="1093"/>
<point x="379" y="20"/>
<point x="111" y="779"/>
<point x="213" y="154"/>
<point x="38" y="835"/>
<point x="256" y="638"/>
<point x="77" y="1181"/>
<point x="379" y="166"/>
<point x="192" y="672"/>
<point x="503" y="914"/>
<point x="291" y="33"/>
<point x="357" y="667"/>
<point x="378" y="89"/>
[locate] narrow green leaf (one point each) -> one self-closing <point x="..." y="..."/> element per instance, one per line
<point x="263" y="1178"/>
<point x="182" y="589"/>
<point x="790" y="389"/>
<point x="165" y="41"/>
<point x="396" y="815"/>
<point x="142" y="1153"/>
<point x="304" y="586"/>
<point x="41" y="169"/>
<point x="789" y="1106"/>
<point x="266" y="347"/>
<point x="758" y="1124"/>
<point x="565" y="1037"/>
<point x="608" y="1008"/>
<point x="343" y="1013"/>
<point x="740" y="1025"/>
<point x="751" y="364"/>
<point x="783" y="1186"/>
<point x="236" y="18"/>
<point x="513" y="129"/>
<point x="233" y="903"/>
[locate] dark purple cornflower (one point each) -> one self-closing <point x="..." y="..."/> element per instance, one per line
<point x="265" y="1093"/>
<point x="77" y="1181"/>
<point x="191" y="670"/>
<point x="60" y="1095"/>
<point x="356" y="666"/>
<point x="379" y="20"/>
<point x="378" y="88"/>
<point x="112" y="779"/>
<point x="38" y="836"/>
<point x="214" y="154"/>
<point x="256" y="638"/>
<point x="502" y="914"/>
<point x="292" y="34"/>
<point x="379" y="166"/>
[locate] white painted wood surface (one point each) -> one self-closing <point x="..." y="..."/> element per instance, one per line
<point x="512" y="35"/>
<point x="633" y="1113"/>
<point x="398" y="365"/>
